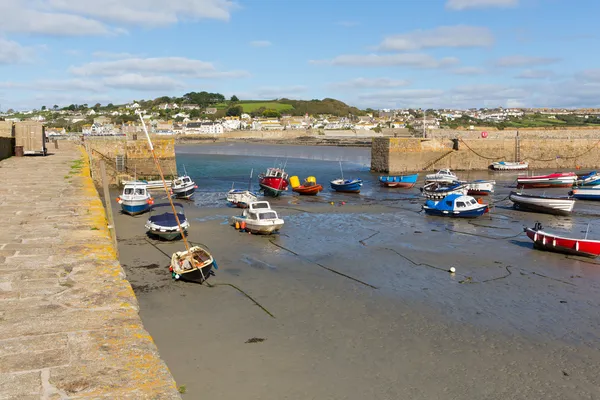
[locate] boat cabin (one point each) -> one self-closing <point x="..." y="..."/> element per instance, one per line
<point x="261" y="215"/>
<point x="446" y="173"/>
<point x="259" y="205"/>
<point x="184" y="180"/>
<point x="276" y="173"/>
<point x="138" y="190"/>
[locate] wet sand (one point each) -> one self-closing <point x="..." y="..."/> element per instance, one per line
<point x="364" y="307"/>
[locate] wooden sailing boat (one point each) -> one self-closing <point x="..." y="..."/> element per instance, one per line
<point x="195" y="263"/>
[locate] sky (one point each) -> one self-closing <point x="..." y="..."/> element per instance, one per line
<point x="378" y="54"/>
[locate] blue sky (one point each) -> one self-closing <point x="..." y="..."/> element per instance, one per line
<point x="379" y="54"/>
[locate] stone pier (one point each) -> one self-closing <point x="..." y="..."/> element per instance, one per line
<point x="69" y="323"/>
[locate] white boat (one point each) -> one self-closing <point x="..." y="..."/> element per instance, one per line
<point x="135" y="198"/>
<point x="586" y="193"/>
<point x="480" y="187"/>
<point x="240" y="197"/>
<point x="509" y="166"/>
<point x="162" y="222"/>
<point x="259" y="218"/>
<point x="193" y="265"/>
<point x="442" y="176"/>
<point x="437" y="190"/>
<point x="183" y="187"/>
<point x="542" y="204"/>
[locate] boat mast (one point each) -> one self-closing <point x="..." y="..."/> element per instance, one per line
<point x="162" y="176"/>
<point x="342" y="171"/>
<point x="424" y="134"/>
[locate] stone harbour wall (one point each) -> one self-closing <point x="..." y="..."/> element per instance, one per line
<point x="397" y="155"/>
<point x="136" y="156"/>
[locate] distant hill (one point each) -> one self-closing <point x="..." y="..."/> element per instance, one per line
<point x="325" y="106"/>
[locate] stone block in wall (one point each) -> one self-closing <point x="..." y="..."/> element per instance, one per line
<point x="6" y="129"/>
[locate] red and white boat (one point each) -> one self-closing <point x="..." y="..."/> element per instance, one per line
<point x="557" y="179"/>
<point x="273" y="182"/>
<point x="551" y="242"/>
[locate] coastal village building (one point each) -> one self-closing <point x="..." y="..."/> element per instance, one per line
<point x="211" y="128"/>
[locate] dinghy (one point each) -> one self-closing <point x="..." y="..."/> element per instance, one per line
<point x="437" y="191"/>
<point x="399" y="181"/>
<point x="557" y="179"/>
<point x="162" y="222"/>
<point x="542" y="204"/>
<point x="240" y="197"/>
<point x="586" y="193"/>
<point x="346" y="185"/>
<point x="310" y="187"/>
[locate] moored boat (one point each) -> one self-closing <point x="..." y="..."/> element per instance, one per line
<point x="135" y="198"/>
<point x="509" y="166"/>
<point x="273" y="182"/>
<point x="455" y="205"/>
<point x="589" y="179"/>
<point x="259" y="218"/>
<point x="586" y="193"/>
<point x="480" y="187"/>
<point x="442" y="176"/>
<point x="557" y="179"/>
<point x="401" y="181"/>
<point x="164" y="224"/>
<point x="183" y="187"/>
<point x="542" y="204"/>
<point x="310" y="187"/>
<point x="552" y="242"/>
<point x="346" y="185"/>
<point x="241" y="198"/>
<point x="437" y="190"/>
<point x="193" y="265"/>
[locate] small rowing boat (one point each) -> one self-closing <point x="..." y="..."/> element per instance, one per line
<point x="557" y="179"/>
<point x="542" y="204"/>
<point x="399" y="181"/>
<point x="310" y="187"/>
<point x="509" y="166"/>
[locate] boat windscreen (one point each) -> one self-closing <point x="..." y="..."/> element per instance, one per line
<point x="268" y="215"/>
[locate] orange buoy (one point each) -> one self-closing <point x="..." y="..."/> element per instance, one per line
<point x="118" y="199"/>
<point x="480" y="200"/>
<point x="243" y="225"/>
<point x="237" y="225"/>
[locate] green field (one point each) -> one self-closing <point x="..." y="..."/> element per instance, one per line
<point x="251" y="105"/>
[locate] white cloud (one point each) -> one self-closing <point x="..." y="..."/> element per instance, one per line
<point x="104" y="17"/>
<point x="260" y="43"/>
<point x="387" y="60"/>
<point x="468" y="71"/>
<point x="21" y="16"/>
<point x="524" y="61"/>
<point x="535" y="74"/>
<point x="158" y="65"/>
<point x="359" y="83"/>
<point x="140" y="82"/>
<point x="590" y="75"/>
<point x="13" y="53"/>
<point x="111" y="55"/>
<point x="404" y="94"/>
<point x="466" y="4"/>
<point x="55" y="85"/>
<point x="442" y="36"/>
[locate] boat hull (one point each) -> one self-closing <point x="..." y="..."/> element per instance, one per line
<point x="270" y="191"/>
<point x="481" y="188"/>
<point x="550" y="242"/>
<point x="203" y="267"/>
<point x="547" y="184"/>
<point x="402" y="181"/>
<point x="353" y="187"/>
<point x="558" y="180"/>
<point x="241" y="199"/>
<point x="478" y="212"/>
<point x="259" y="228"/>
<point x="441" y="193"/>
<point x="184" y="193"/>
<point x="273" y="186"/>
<point x="134" y="207"/>
<point x="509" y="166"/>
<point x="546" y="205"/>
<point x="586" y="194"/>
<point x="308" y="190"/>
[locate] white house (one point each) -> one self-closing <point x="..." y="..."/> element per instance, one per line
<point x="211" y="128"/>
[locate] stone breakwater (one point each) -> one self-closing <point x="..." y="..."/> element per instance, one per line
<point x="69" y="327"/>
<point x="396" y="155"/>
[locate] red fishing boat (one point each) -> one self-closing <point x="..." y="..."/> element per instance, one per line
<point x="557" y="179"/>
<point x="549" y="241"/>
<point x="273" y="182"/>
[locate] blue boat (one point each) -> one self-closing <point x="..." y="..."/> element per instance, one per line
<point x="587" y="193"/>
<point x="402" y="181"/>
<point x="135" y="198"/>
<point x="456" y="206"/>
<point x="347" y="185"/>
<point x="590" y="179"/>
